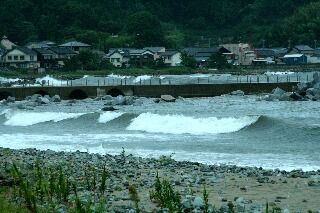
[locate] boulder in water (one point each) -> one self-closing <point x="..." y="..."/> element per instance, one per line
<point x="237" y="93"/>
<point x="296" y="97"/>
<point x="11" y="99"/>
<point x="43" y="100"/>
<point x="56" y="99"/>
<point x="129" y="100"/>
<point x="278" y="92"/>
<point x="168" y="98"/>
<point x="286" y="97"/>
<point x="109" y="109"/>
<point x="120" y="100"/>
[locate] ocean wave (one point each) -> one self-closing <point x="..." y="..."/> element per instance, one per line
<point x="52" y="81"/>
<point x="109" y="116"/>
<point x="142" y="78"/>
<point x="179" y="124"/>
<point x="31" y="118"/>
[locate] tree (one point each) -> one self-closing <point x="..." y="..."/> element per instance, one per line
<point x="217" y="60"/>
<point x="146" y="29"/>
<point x="86" y="60"/>
<point x="188" y="61"/>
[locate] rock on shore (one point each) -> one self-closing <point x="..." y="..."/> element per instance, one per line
<point x="247" y="189"/>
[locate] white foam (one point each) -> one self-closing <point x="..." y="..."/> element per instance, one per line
<point x="179" y="124"/>
<point x="200" y="75"/>
<point x="109" y="116"/>
<point x="9" y="80"/>
<point x="278" y="73"/>
<point x="30" y="118"/>
<point x="142" y="78"/>
<point x="52" y="81"/>
<point x="118" y="76"/>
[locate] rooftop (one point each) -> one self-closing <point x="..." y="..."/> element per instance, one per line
<point x="74" y="44"/>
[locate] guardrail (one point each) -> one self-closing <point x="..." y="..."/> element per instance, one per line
<point x="158" y="80"/>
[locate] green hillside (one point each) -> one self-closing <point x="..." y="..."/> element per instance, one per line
<point x="173" y="23"/>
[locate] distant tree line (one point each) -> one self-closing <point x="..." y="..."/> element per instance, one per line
<point x="171" y="23"/>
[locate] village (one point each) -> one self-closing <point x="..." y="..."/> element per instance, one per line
<point x="47" y="55"/>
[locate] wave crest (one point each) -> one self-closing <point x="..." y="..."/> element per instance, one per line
<point x="179" y="124"/>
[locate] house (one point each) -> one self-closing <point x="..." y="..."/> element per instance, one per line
<point x="270" y="55"/>
<point x="118" y="57"/>
<point x="156" y="51"/>
<point x="201" y="55"/>
<point x="63" y="54"/>
<point x="315" y="58"/>
<point x="42" y="44"/>
<point x="302" y="49"/>
<point x="244" y="53"/>
<point x="292" y="59"/>
<point x="130" y="56"/>
<point x="171" y="58"/>
<point x="21" y="57"/>
<point x="47" y="58"/>
<point x="141" y="57"/>
<point x="76" y="46"/>
<point x="6" y="44"/>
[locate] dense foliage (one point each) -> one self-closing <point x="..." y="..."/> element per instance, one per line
<point x="172" y="23"/>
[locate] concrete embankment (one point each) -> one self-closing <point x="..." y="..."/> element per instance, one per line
<point x="191" y="90"/>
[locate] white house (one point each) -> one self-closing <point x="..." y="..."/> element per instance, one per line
<point x="76" y="46"/>
<point x="21" y="57"/>
<point x="172" y="58"/>
<point x="118" y="57"/>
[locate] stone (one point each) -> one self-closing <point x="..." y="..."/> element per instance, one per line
<point x="302" y="87"/>
<point x="270" y="97"/>
<point x="56" y="99"/>
<point x="35" y="97"/>
<point x="186" y="204"/>
<point x="129" y="100"/>
<point x="286" y="97"/>
<point x="106" y="98"/>
<point x="109" y="109"/>
<point x="168" y="98"/>
<point x="286" y="211"/>
<point x="120" y="100"/>
<point x="42" y="100"/>
<point x="157" y="100"/>
<point x="278" y="92"/>
<point x="237" y="93"/>
<point x="198" y="202"/>
<point x="296" y="97"/>
<point x="11" y="99"/>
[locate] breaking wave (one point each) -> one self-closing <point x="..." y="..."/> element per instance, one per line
<point x="109" y="116"/>
<point x="179" y="124"/>
<point x="32" y="118"/>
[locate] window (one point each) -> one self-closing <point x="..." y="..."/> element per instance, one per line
<point x="118" y="59"/>
<point x="15" y="58"/>
<point x="22" y="58"/>
<point x="31" y="58"/>
<point x="9" y="58"/>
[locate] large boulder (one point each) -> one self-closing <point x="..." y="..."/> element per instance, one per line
<point x="286" y="97"/>
<point x="120" y="100"/>
<point x="34" y="97"/>
<point x="237" y="93"/>
<point x="302" y="88"/>
<point x="11" y="99"/>
<point x="56" y="99"/>
<point x="278" y="92"/>
<point x="296" y="97"/>
<point x="43" y="100"/>
<point x="168" y="98"/>
<point x="269" y="97"/>
<point x="198" y="202"/>
<point x="109" y="109"/>
<point x="129" y="100"/>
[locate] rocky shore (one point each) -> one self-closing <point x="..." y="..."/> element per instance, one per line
<point x="92" y="179"/>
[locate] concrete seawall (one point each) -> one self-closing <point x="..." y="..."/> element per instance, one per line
<point x="192" y="90"/>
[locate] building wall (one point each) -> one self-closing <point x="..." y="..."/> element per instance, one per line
<point x="313" y="59"/>
<point x="116" y="59"/>
<point x="16" y="58"/>
<point x="174" y="60"/>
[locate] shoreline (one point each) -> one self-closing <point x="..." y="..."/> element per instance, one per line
<point x="248" y="188"/>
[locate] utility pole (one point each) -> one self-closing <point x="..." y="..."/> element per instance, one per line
<point x="263" y="43"/>
<point x="315" y="44"/>
<point x="289" y="43"/>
